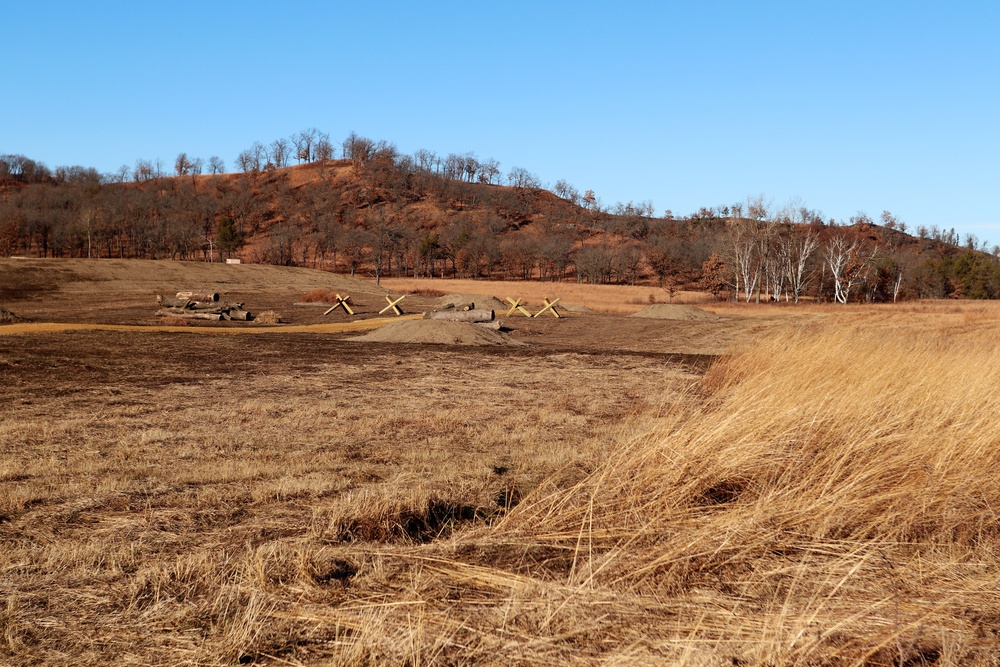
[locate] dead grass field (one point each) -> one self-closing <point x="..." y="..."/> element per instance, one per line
<point x="822" y="494"/>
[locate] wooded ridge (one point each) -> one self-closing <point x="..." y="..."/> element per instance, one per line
<point x="379" y="212"/>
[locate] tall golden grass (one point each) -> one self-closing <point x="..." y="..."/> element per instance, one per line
<point x="827" y="497"/>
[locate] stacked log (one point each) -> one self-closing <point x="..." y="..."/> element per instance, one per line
<point x="199" y="296"/>
<point x="207" y="307"/>
<point x="457" y="306"/>
<point x="474" y="315"/>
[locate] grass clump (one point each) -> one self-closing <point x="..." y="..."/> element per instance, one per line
<point x="319" y="296"/>
<point x="267" y="317"/>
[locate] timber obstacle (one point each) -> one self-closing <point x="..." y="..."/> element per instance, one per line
<point x="517" y="306"/>
<point x="549" y="306"/>
<point x="342" y="302"/>
<point x="393" y="305"/>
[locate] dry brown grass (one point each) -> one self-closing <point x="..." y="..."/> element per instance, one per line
<point x="319" y="296"/>
<point x="267" y="317"/>
<point x="829" y="497"/>
<point x="165" y="515"/>
<point x="825" y="495"/>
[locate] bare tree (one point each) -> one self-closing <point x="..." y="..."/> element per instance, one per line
<point x="245" y="161"/>
<point x="323" y="149"/>
<point x="358" y="149"/>
<point x="566" y="191"/>
<point x="424" y="159"/>
<point x="741" y="251"/>
<point x="471" y="167"/>
<point x="258" y="153"/>
<point x="383" y="237"/>
<point x="519" y="177"/>
<point x="797" y="247"/>
<point x="144" y="170"/>
<point x="489" y="171"/>
<point x="304" y="142"/>
<point x="182" y="165"/>
<point x="850" y="262"/>
<point x="278" y="153"/>
<point x="216" y="165"/>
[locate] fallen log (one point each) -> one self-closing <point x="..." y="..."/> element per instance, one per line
<point x="167" y="302"/>
<point x="239" y="315"/>
<point x="198" y="296"/>
<point x="188" y="314"/>
<point x="474" y="315"/>
<point x="495" y="325"/>
<point x="188" y="304"/>
<point x="212" y="305"/>
<point x="457" y="306"/>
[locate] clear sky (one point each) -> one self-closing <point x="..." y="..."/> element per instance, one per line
<point x="848" y="106"/>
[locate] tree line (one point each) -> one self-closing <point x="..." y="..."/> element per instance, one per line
<point x="366" y="207"/>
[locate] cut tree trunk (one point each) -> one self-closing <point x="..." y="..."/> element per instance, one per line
<point x="474" y="315"/>
<point x="212" y="305"/>
<point x="495" y="325"/>
<point x="198" y="296"/>
<point x="167" y="302"/>
<point x="191" y="315"/>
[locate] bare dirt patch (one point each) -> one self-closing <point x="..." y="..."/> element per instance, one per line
<point x="672" y="311"/>
<point x="438" y="333"/>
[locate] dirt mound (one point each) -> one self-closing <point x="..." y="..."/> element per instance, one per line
<point x="482" y="301"/>
<point x="437" y="332"/>
<point x="574" y="307"/>
<point x="7" y="317"/>
<point x="674" y="311"/>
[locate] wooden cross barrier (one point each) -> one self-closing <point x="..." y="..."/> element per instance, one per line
<point x="341" y="303"/>
<point x="392" y="305"/>
<point x="549" y="306"/>
<point x="515" y="306"/>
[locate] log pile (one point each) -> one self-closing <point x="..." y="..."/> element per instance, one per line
<point x="201" y="306"/>
<point x="7" y="317"/>
<point x="452" y="315"/>
<point x="466" y="312"/>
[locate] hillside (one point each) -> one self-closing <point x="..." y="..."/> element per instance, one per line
<point x="381" y="215"/>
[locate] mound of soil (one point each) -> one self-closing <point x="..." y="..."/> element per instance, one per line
<point x="574" y="308"/>
<point x="437" y="332"/>
<point x="674" y="311"/>
<point x="482" y="301"/>
<point x="7" y="317"/>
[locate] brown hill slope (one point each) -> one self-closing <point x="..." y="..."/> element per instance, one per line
<point x="382" y="216"/>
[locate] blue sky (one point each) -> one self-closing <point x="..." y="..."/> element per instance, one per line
<point x="847" y="106"/>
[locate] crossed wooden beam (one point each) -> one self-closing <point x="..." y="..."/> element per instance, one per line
<point x="517" y="307"/>
<point x="342" y="302"/>
<point x="393" y="305"/>
<point x="549" y="306"/>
